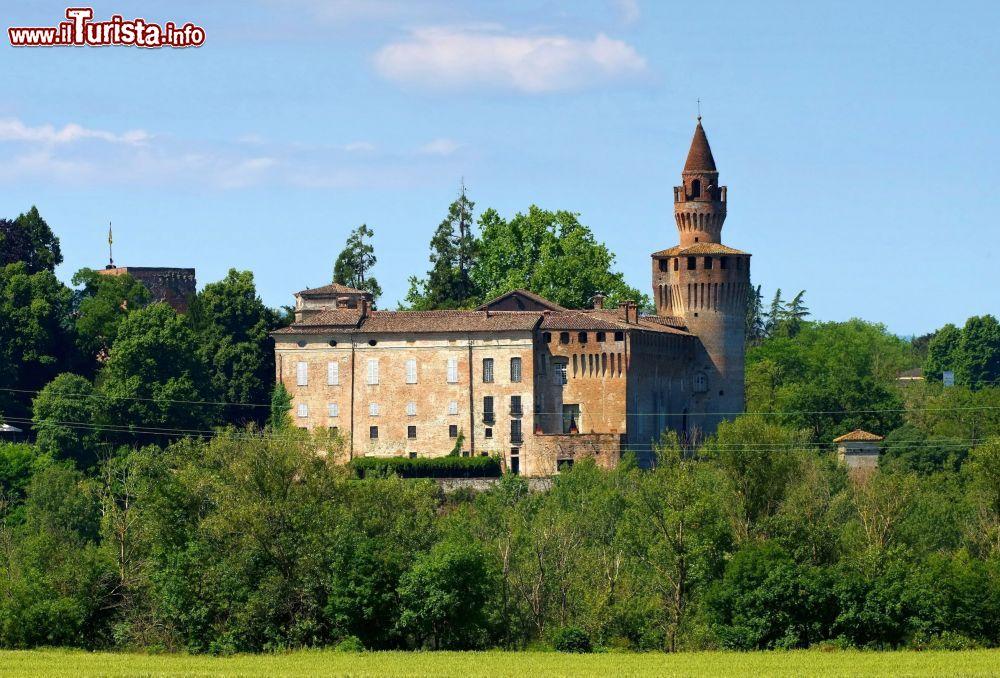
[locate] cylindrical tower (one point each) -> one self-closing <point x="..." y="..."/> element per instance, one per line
<point x="707" y="284"/>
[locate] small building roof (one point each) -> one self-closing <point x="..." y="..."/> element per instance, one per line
<point x="859" y="436"/>
<point x="388" y="322"/>
<point x="330" y="290"/>
<point x="7" y="428"/>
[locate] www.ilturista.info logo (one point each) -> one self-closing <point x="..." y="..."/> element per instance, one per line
<point x="81" y="31"/>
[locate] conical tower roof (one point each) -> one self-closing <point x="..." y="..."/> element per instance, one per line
<point x="700" y="156"/>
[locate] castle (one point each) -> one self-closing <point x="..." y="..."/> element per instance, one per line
<point x="525" y="379"/>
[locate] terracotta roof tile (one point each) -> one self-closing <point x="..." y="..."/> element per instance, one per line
<point x="537" y="298"/>
<point x="331" y="289"/>
<point x="859" y="436"/>
<point x="611" y="319"/>
<point x="698" y="248"/>
<point x="450" y="321"/>
<point x="700" y="154"/>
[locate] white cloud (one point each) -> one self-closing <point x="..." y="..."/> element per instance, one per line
<point x="440" y="147"/>
<point x="15" y="130"/>
<point x="449" y="57"/>
<point x="628" y="10"/>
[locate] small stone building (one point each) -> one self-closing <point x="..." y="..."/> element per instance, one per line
<point x="524" y="378"/>
<point x="859" y="449"/>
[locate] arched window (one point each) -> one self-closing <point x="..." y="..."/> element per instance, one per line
<point x="696" y="188"/>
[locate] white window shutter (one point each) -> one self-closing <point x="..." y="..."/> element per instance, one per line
<point x="411" y="371"/>
<point x="373" y="409"/>
<point x="303" y="410"/>
<point x="333" y="373"/>
<point x="452" y="370"/>
<point x="333" y="410"/>
<point x="453" y="407"/>
<point x="302" y="373"/>
<point x="411" y="409"/>
<point x="373" y="370"/>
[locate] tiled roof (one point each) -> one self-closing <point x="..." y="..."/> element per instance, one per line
<point x="327" y="290"/>
<point x="450" y="321"/>
<point x="700" y="155"/>
<point x="610" y="319"/>
<point x="537" y="298"/>
<point x="698" y="248"/>
<point x="859" y="436"/>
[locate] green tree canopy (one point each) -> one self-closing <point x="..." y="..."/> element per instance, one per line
<point x="153" y="379"/>
<point x="454" y="250"/>
<point x="29" y="239"/>
<point x="355" y="262"/>
<point x="35" y="338"/>
<point x="67" y="417"/>
<point x="232" y="326"/>
<point x="551" y="254"/>
<point x="101" y="306"/>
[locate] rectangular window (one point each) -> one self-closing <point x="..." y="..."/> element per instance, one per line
<point x="487" y="370"/>
<point x="692" y="263"/>
<point x="452" y="370"/>
<point x="332" y="374"/>
<point x="303" y="410"/>
<point x="373" y="432"/>
<point x="333" y="410"/>
<point x="453" y="430"/>
<point x="373" y="371"/>
<point x="600" y="336"/>
<point x="515" y="405"/>
<point x="373" y="409"/>
<point x="708" y="263"/>
<point x="619" y="336"/>
<point x="411" y="409"/>
<point x="302" y="374"/>
<point x="515" y="430"/>
<point x="515" y="370"/>
<point x="559" y="373"/>
<point x="411" y="371"/>
<point x="489" y="432"/>
<point x="411" y="432"/>
<point x="453" y="407"/>
<point x="488" y="409"/>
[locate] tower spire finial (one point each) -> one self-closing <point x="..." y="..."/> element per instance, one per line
<point x="699" y="109"/>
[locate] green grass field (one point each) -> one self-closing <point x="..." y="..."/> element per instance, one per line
<point x="521" y="664"/>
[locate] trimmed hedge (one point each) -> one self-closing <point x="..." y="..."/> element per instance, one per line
<point x="428" y="467"/>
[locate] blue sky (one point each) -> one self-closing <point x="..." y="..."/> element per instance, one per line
<point x="858" y="140"/>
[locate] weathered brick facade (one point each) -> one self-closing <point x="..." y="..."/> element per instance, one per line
<point x="587" y="382"/>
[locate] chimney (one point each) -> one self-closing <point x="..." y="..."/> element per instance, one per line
<point x="631" y="312"/>
<point x="598" y="301"/>
<point x="363" y="306"/>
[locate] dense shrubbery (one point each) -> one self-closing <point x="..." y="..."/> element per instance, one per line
<point x="427" y="467"/>
<point x="253" y="542"/>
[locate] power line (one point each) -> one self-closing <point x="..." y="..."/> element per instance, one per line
<point x="555" y="413"/>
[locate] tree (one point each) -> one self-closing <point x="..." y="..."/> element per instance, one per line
<point x="678" y="533"/>
<point x="979" y="352"/>
<point x="355" y="262"/>
<point x="454" y="250"/>
<point x="30" y="240"/>
<point x="775" y="313"/>
<point x="100" y="307"/>
<point x="758" y="459"/>
<point x="755" y="317"/>
<point x="985" y="491"/>
<point x="233" y="326"/>
<point x="35" y="338"/>
<point x="942" y="352"/>
<point x="794" y="314"/>
<point x="154" y="382"/>
<point x="444" y="597"/>
<point x="281" y="405"/>
<point x="551" y="254"/>
<point x="67" y="417"/>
